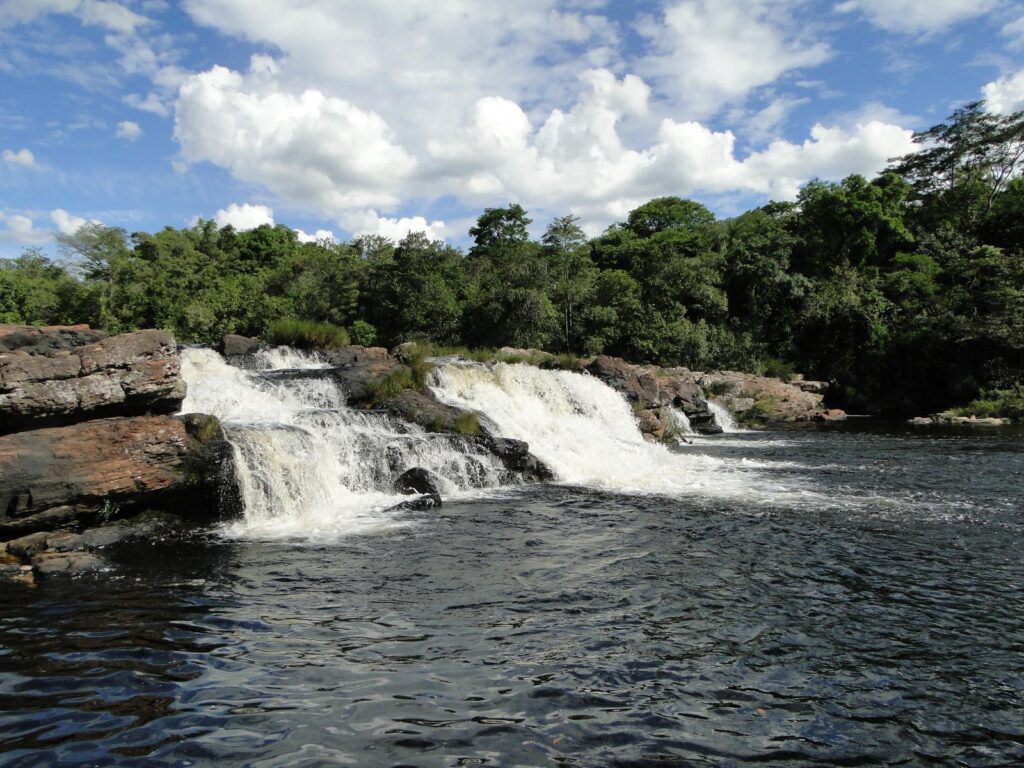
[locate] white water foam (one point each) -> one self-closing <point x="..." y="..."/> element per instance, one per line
<point x="307" y="465"/>
<point x="287" y="358"/>
<point x="723" y="418"/>
<point x="587" y="434"/>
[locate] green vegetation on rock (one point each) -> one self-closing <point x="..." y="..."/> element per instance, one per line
<point x="306" y="334"/>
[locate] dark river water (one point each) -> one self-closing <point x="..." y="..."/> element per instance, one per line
<point x="563" y="626"/>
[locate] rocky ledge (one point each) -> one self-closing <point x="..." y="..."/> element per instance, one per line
<point x="950" y="419"/>
<point x="86" y="438"/>
<point x="63" y="375"/>
<point x="655" y="392"/>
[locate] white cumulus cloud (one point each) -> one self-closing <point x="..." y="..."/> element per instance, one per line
<point x="20" y="230"/>
<point x="713" y="52"/>
<point x="307" y="147"/>
<point x="100" y="13"/>
<point x="244" y="217"/>
<point x="1005" y="95"/>
<point x="128" y="130"/>
<point x="68" y="224"/>
<point x="320" y="234"/>
<point x="537" y="102"/>
<point x="22" y="157"/>
<point x="369" y="223"/>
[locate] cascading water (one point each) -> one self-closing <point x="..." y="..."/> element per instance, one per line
<point x="723" y="418"/>
<point x="306" y="464"/>
<point x="680" y="426"/>
<point x="587" y="434"/>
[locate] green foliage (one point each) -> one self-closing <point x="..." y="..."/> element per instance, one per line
<point x="778" y="368"/>
<point x="208" y="429"/>
<point x="390" y="384"/>
<point x="720" y="387"/>
<point x="108" y="511"/>
<point x="362" y="333"/>
<point x="1000" y="403"/>
<point x="306" y="334"/>
<point x="467" y="424"/>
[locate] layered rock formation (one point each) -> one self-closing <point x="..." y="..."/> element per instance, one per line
<point x="655" y="391"/>
<point x="64" y="375"/>
<point x="85" y="435"/>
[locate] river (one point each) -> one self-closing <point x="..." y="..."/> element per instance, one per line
<point x="843" y="595"/>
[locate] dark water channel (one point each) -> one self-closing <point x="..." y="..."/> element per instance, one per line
<point x="563" y="626"/>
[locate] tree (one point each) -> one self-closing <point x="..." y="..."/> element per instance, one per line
<point x="966" y="161"/>
<point x="567" y="249"/>
<point x="498" y="228"/>
<point x="668" y="213"/>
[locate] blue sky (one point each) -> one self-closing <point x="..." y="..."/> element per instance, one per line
<point x="348" y="116"/>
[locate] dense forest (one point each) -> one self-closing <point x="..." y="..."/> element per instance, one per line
<point x="907" y="290"/>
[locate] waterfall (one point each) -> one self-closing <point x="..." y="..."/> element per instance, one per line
<point x="724" y="418"/>
<point x="587" y="434"/>
<point x="680" y="424"/>
<point x="306" y="464"/>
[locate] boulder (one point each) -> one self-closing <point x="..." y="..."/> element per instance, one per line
<point x="418" y="504"/>
<point x="233" y="345"/>
<point x="67" y="375"/>
<point x="67" y="564"/>
<point x="26" y="546"/>
<point x="424" y="409"/>
<point x="420" y="481"/>
<point x="516" y="456"/>
<point x="354" y="354"/>
<point x="636" y="383"/>
<point x="108" y="464"/>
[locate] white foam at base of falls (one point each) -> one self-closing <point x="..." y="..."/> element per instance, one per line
<point x="308" y="466"/>
<point x="587" y="434"/>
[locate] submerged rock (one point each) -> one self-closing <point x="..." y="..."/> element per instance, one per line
<point x="421" y="481"/>
<point x="67" y="564"/>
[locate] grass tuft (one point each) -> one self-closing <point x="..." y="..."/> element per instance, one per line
<point x="306" y="334"/>
<point x="467" y="424"/>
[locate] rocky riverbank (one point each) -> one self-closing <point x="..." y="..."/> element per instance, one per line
<point x="87" y="438"/>
<point x="755" y="400"/>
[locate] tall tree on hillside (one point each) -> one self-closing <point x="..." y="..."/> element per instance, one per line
<point x="567" y="249"/>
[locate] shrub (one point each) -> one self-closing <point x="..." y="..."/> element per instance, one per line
<point x="778" y="368"/>
<point x="720" y="387"/>
<point x="306" y="334"/>
<point x="999" y="403"/>
<point x="362" y="333"/>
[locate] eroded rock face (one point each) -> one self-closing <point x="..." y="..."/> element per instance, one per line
<point x="66" y="375"/>
<point x="654" y="391"/>
<point x="132" y="461"/>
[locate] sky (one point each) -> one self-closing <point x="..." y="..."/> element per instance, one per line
<point x="348" y="117"/>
